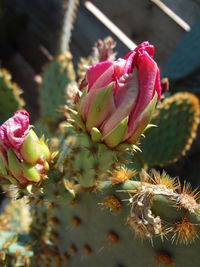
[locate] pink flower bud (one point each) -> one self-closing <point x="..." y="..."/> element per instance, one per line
<point x="24" y="157"/>
<point x="134" y="81"/>
<point x="13" y="131"/>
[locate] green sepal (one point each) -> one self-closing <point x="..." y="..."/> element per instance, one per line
<point x="100" y="108"/>
<point x="14" y="164"/>
<point x="76" y="117"/>
<point x="30" y="172"/>
<point x="45" y="150"/>
<point x="129" y="147"/>
<point x="150" y="126"/>
<point x="96" y="135"/>
<point x="143" y="120"/>
<point x="116" y="136"/>
<point x="71" y="194"/>
<point x="11" y="179"/>
<point x="3" y="170"/>
<point x="80" y="100"/>
<point x="31" y="150"/>
<point x="34" y="135"/>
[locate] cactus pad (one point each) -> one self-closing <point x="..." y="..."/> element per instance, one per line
<point x="177" y="120"/>
<point x="93" y="230"/>
<point x="10" y="99"/>
<point x="57" y="74"/>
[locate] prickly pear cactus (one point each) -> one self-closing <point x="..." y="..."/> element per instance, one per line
<point x="55" y="79"/>
<point x="85" y="226"/>
<point x="177" y="119"/>
<point x="88" y="207"/>
<point x="10" y="99"/>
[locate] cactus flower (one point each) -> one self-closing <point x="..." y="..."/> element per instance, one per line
<point x="23" y="156"/>
<point x="121" y="96"/>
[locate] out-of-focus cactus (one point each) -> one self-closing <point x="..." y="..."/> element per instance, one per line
<point x="14" y="228"/>
<point x="10" y="99"/>
<point x="55" y="79"/>
<point x="70" y="7"/>
<point x="177" y="119"/>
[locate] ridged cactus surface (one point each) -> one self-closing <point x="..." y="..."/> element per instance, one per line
<point x="177" y="119"/>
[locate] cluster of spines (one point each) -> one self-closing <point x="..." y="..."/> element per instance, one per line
<point x="146" y="224"/>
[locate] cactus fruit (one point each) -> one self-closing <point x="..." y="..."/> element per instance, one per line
<point x="177" y="120"/>
<point x="57" y="74"/>
<point x="10" y="99"/>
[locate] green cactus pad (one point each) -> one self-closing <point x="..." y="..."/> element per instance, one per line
<point x="86" y="160"/>
<point x="93" y="230"/>
<point x="10" y="99"/>
<point x="57" y="75"/>
<point x="177" y="120"/>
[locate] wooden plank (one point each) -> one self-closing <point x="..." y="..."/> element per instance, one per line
<point x="189" y="10"/>
<point x="87" y="30"/>
<point x="143" y="20"/>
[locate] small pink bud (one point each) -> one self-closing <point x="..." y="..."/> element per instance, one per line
<point x="13" y="131"/>
<point x="24" y="158"/>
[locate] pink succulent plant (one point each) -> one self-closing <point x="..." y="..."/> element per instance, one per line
<point x="122" y="95"/>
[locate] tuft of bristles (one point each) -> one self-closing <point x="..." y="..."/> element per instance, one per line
<point x="121" y="174"/>
<point x="146" y="224"/>
<point x="184" y="232"/>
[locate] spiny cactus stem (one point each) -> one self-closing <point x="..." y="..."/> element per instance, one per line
<point x="68" y="21"/>
<point x="165" y="203"/>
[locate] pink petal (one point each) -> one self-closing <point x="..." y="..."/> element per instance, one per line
<point x="125" y="98"/>
<point x="119" y="68"/>
<point x="132" y="56"/>
<point x="147" y="72"/>
<point x="130" y="62"/>
<point x="143" y="46"/>
<point x="100" y="75"/>
<point x="12" y="132"/>
<point x="157" y="87"/>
